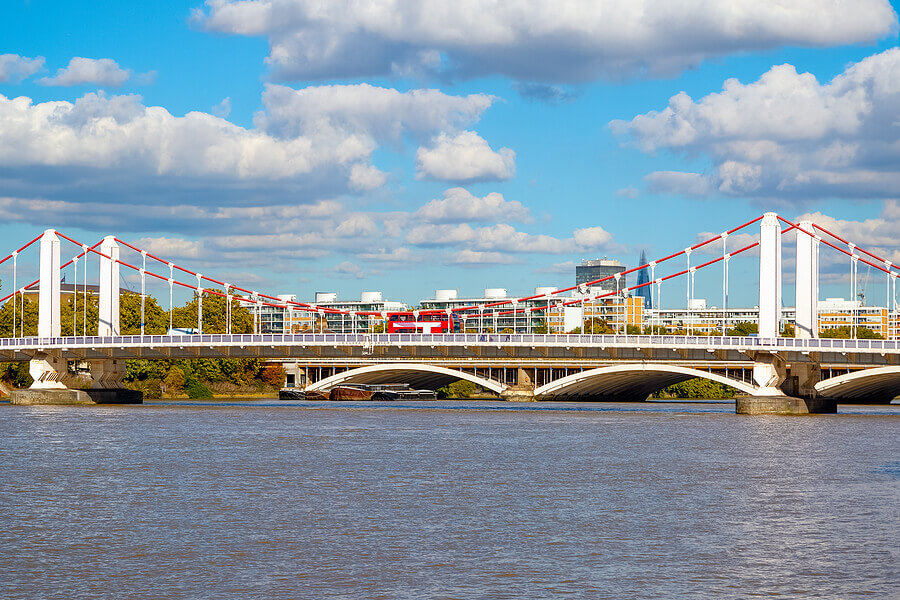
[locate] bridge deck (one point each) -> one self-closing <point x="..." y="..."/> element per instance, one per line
<point x="754" y="344"/>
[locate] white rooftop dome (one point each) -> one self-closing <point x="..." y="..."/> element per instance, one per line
<point x="445" y="295"/>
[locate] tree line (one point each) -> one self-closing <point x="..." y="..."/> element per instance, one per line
<point x="79" y="313"/>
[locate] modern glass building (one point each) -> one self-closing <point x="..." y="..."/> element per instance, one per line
<point x="645" y="292"/>
<point x="592" y="270"/>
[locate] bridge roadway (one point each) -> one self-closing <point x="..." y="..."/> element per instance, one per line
<point x="514" y="344"/>
<point x="536" y="365"/>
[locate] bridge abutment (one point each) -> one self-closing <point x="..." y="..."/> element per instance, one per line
<point x="50" y="374"/>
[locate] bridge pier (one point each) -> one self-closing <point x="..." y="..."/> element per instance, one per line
<point x="522" y="390"/>
<point x="783" y="405"/>
<point x="107" y="385"/>
<point x="784" y="389"/>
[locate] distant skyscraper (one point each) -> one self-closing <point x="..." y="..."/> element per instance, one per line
<point x="594" y="270"/>
<point x="644" y="277"/>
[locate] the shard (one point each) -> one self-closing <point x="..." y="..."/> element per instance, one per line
<point x="644" y="277"/>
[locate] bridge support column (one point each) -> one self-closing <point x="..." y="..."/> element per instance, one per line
<point x="802" y="379"/>
<point x="109" y="288"/>
<point x="48" y="295"/>
<point x="807" y="300"/>
<point x="294" y="382"/>
<point x="48" y="372"/>
<point x="769" y="276"/>
<point x="769" y="372"/>
<point x="522" y="390"/>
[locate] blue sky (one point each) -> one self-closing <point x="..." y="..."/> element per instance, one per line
<point x="299" y="147"/>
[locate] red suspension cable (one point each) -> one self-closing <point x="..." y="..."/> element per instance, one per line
<point x="19" y="251"/>
<point x="300" y="305"/>
<point x="838" y="248"/>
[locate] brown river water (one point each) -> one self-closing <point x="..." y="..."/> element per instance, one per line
<point x="263" y="499"/>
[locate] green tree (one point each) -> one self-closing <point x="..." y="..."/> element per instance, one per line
<point x="73" y="324"/>
<point x="595" y="326"/>
<point x="844" y="332"/>
<point x="540" y="327"/>
<point x="214" y="315"/>
<point x="460" y="389"/>
<point x="655" y="330"/>
<point x="156" y="320"/>
<point x="29" y="321"/>
<point x="196" y="389"/>
<point x="16" y="374"/>
<point x="744" y="328"/>
<point x="142" y="369"/>
<point x="697" y="388"/>
<point x="174" y="382"/>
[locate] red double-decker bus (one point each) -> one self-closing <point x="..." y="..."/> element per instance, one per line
<point x="425" y="321"/>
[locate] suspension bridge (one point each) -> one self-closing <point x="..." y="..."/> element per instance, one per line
<point x="804" y="373"/>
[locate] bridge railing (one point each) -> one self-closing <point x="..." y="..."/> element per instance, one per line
<point x="498" y="339"/>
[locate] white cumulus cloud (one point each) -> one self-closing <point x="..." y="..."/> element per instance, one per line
<point x="350" y="269"/>
<point x="476" y="258"/>
<point x="533" y="40"/>
<point x="461" y="206"/>
<point x="81" y="71"/>
<point x="101" y="132"/>
<point x="15" y="68"/>
<point x="592" y="237"/>
<point x="383" y="114"/>
<point x="397" y="255"/>
<point x="464" y="157"/>
<point x="170" y="247"/>
<point x="307" y="142"/>
<point x="786" y="135"/>
<point x="506" y="238"/>
<point x="366" y="177"/>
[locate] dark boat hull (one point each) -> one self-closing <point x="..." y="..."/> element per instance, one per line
<point x="343" y="393"/>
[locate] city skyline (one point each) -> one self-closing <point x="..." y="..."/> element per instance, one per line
<point x="421" y="153"/>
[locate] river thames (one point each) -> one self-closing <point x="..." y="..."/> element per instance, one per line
<point x="459" y="499"/>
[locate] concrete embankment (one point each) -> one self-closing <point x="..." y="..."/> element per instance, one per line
<point x="72" y="397"/>
<point x="783" y="405"/>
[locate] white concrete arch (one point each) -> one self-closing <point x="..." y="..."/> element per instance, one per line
<point x="878" y="385"/>
<point x="417" y="375"/>
<point x="629" y="382"/>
